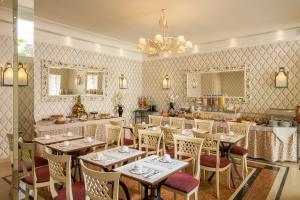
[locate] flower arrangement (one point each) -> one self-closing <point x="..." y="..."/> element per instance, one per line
<point x="172" y="98"/>
<point x="119" y="99"/>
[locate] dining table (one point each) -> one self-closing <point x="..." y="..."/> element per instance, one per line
<point x="112" y="157"/>
<point x="154" y="172"/>
<point x="74" y="149"/>
<point x="43" y="140"/>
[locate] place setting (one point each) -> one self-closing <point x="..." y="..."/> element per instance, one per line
<point x="163" y="161"/>
<point x="146" y="172"/>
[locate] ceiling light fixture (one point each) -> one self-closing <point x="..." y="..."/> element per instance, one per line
<point x="161" y="43"/>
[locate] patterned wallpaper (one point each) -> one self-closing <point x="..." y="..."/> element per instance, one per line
<point x="6" y="94"/>
<point x="263" y="61"/>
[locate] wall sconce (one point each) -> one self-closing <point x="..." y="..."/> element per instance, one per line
<point x="22" y="75"/>
<point x="123" y="82"/>
<point x="166" y="82"/>
<point x="194" y="83"/>
<point x="281" y="78"/>
<point x="7" y="75"/>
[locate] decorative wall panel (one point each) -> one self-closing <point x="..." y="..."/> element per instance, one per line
<point x="263" y="61"/>
<point x="115" y="67"/>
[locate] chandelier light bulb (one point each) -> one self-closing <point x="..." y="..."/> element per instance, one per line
<point x="180" y="39"/>
<point x="142" y="41"/>
<point x="188" y="44"/>
<point x="158" y="38"/>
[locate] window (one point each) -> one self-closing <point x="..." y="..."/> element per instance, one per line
<point x="92" y="82"/>
<point x="54" y="84"/>
<point x="25" y="37"/>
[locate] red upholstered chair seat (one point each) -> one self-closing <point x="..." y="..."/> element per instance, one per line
<point x="83" y="152"/>
<point x="127" y="142"/>
<point x="42" y="175"/>
<point x="211" y="160"/>
<point x="78" y="191"/>
<point x="238" y="150"/>
<point x="39" y="161"/>
<point x="182" y="181"/>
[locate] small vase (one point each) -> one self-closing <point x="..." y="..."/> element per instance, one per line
<point x="120" y="111"/>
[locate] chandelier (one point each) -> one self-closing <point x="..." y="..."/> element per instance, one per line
<point x="163" y="44"/>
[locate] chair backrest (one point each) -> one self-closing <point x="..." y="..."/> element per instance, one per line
<point x="97" y="184"/>
<point x="240" y="129"/>
<point x="119" y="123"/>
<point x="60" y="172"/>
<point x="211" y="146"/>
<point x="150" y="140"/>
<point x="136" y="129"/>
<point x="27" y="155"/>
<point x="204" y="125"/>
<point x="113" y="135"/>
<point x="91" y="130"/>
<point x="168" y="133"/>
<point x="189" y="147"/>
<point x="176" y="122"/>
<point x="155" y="120"/>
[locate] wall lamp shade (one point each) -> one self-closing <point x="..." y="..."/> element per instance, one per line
<point x="123" y="84"/>
<point x="194" y="83"/>
<point x="281" y="78"/>
<point x="166" y="84"/>
<point x="22" y="75"/>
<point x="7" y="75"/>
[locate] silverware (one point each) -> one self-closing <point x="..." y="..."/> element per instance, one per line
<point x="151" y="174"/>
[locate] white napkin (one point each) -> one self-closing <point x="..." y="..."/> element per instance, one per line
<point x="284" y="133"/>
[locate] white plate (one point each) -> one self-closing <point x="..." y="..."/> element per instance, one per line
<point x="139" y="173"/>
<point x="97" y="159"/>
<point x="122" y="151"/>
<point x="164" y="161"/>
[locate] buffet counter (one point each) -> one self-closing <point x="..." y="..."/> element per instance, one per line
<point x="265" y="142"/>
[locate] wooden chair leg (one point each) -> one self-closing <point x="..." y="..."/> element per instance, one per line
<point x="196" y="195"/>
<point x="246" y="165"/>
<point x="218" y="184"/>
<point x="229" y="177"/>
<point x="243" y="167"/>
<point x="35" y="193"/>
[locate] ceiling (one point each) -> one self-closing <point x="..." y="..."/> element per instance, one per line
<point x="198" y="20"/>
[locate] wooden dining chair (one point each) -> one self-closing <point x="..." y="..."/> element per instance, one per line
<point x="90" y="130"/>
<point x="37" y="177"/>
<point x="212" y="161"/>
<point x="155" y="120"/>
<point x="168" y="139"/>
<point x="176" y="122"/>
<point x="135" y="134"/>
<point x="150" y="142"/>
<point x="113" y="136"/>
<point x="188" y="149"/>
<point x="97" y="184"/>
<point x="124" y="140"/>
<point x="204" y="125"/>
<point x="240" y="152"/>
<point x="60" y="172"/>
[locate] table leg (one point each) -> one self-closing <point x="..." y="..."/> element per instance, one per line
<point x="154" y="191"/>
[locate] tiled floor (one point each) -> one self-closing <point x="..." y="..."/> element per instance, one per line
<point x="265" y="181"/>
